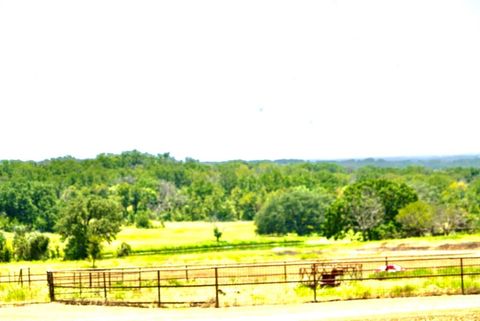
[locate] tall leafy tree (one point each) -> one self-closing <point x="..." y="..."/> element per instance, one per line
<point x="87" y="219"/>
<point x="299" y="211"/>
<point x="366" y="210"/>
<point x="417" y="218"/>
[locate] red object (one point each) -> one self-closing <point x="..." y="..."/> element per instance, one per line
<point x="390" y="268"/>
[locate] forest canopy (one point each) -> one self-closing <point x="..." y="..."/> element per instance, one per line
<point x="303" y="197"/>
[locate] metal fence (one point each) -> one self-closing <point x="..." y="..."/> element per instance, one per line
<point x="23" y="286"/>
<point x="267" y="283"/>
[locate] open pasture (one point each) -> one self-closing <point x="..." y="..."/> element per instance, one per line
<point x="267" y="283"/>
<point x="194" y="235"/>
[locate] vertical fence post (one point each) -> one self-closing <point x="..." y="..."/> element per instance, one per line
<point x="186" y="273"/>
<point x="105" y="287"/>
<point x="29" y="279"/>
<point x="461" y="275"/>
<point x="80" y="283"/>
<point x="158" y="289"/>
<point x="217" y="303"/>
<point x="20" y="277"/>
<point x="285" y="270"/>
<point x="51" y="286"/>
<point x="314" y="274"/>
<point x="90" y="279"/>
<point x="386" y="262"/>
<point x="140" y="278"/>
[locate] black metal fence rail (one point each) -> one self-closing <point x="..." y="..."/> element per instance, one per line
<point x="22" y="277"/>
<point x="246" y="284"/>
<point x="22" y="287"/>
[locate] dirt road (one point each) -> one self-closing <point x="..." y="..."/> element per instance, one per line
<point x="425" y="308"/>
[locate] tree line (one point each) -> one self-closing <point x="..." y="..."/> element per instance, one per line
<point x="86" y="201"/>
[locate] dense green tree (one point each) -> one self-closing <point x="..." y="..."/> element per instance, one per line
<point x="87" y="218"/>
<point x="449" y="219"/>
<point x="365" y="210"/>
<point x="455" y="195"/>
<point x="338" y="219"/>
<point x="473" y="197"/>
<point x="29" y="203"/>
<point x="299" y="211"/>
<point x="393" y="196"/>
<point x="417" y="218"/>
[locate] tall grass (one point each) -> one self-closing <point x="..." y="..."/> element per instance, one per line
<point x="15" y="293"/>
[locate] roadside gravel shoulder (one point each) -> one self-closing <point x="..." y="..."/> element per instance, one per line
<point x="423" y="308"/>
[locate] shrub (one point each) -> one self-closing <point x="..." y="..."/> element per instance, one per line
<point x="416" y="218"/>
<point x="142" y="220"/>
<point x="31" y="246"/>
<point x="38" y="246"/>
<point x="5" y="251"/>
<point x="124" y="250"/>
<point x="20" y="244"/>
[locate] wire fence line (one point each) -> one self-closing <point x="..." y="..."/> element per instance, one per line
<point x="23" y="287"/>
<point x="265" y="283"/>
<point x="23" y="277"/>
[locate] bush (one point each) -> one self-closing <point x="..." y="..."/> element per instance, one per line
<point x="142" y="220"/>
<point x="30" y="247"/>
<point x="416" y="218"/>
<point x="38" y="247"/>
<point x="5" y="251"/>
<point x="20" y="244"/>
<point x="124" y="250"/>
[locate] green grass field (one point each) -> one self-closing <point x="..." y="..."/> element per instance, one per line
<point x="190" y="234"/>
<point x="199" y="237"/>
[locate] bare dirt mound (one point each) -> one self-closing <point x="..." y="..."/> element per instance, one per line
<point x="459" y="246"/>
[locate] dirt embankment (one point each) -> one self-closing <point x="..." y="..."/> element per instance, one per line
<point x="421" y="248"/>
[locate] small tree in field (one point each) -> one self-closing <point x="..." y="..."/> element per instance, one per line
<point x="94" y="249"/>
<point x="217" y="233"/>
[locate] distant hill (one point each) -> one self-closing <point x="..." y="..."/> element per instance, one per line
<point x="428" y="161"/>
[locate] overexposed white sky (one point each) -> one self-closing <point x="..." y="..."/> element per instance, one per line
<point x="248" y="79"/>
